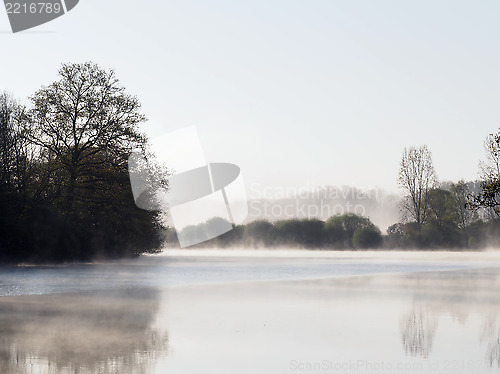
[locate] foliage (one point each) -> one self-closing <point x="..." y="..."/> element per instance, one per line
<point x="259" y="234"/>
<point x="461" y="192"/>
<point x="337" y="232"/>
<point x="300" y="232"/>
<point x="63" y="168"/>
<point x="367" y="237"/>
<point x="489" y="196"/>
<point x="341" y="229"/>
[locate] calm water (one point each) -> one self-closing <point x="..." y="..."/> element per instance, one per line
<point x="255" y="312"/>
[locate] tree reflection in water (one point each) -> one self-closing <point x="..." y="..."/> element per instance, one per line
<point x="493" y="353"/>
<point x="418" y="330"/>
<point x="490" y="335"/>
<point x="106" y="332"/>
<point x="457" y="294"/>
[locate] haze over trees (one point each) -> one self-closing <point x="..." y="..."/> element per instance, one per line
<point x="323" y="202"/>
<point x="435" y="215"/>
<point x="347" y="231"/>
<point x="65" y="189"/>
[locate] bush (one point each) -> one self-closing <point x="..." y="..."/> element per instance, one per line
<point x="340" y="229"/>
<point x="367" y="237"/>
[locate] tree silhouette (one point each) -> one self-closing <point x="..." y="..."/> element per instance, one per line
<point x="417" y="177"/>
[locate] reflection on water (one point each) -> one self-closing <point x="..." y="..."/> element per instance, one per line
<point x="412" y="322"/>
<point x="421" y="323"/>
<point x="86" y="333"/>
<point x="458" y="295"/>
<point x="418" y="330"/>
<point x="490" y="335"/>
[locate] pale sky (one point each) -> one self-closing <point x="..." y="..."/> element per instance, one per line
<point x="294" y="92"/>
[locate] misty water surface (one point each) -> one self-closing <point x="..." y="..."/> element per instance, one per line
<point x="254" y="312"/>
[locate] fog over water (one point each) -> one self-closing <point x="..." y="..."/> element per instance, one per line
<point x="180" y="267"/>
<point x="279" y="311"/>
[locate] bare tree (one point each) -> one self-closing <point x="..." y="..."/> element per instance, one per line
<point x="417" y="177"/>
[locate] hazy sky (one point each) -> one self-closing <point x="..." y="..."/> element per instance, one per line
<point x="294" y="92"/>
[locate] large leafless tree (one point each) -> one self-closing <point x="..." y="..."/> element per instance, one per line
<point x="417" y="177"/>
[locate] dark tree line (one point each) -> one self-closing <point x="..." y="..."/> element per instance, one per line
<point x="64" y="186"/>
<point x="348" y="231"/>
<point x="448" y="226"/>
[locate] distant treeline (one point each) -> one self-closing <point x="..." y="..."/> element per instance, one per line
<point x="456" y="216"/>
<point x="65" y="193"/>
<point x="450" y="220"/>
<point x="447" y="226"/>
<point x="433" y="215"/>
<point x="339" y="232"/>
